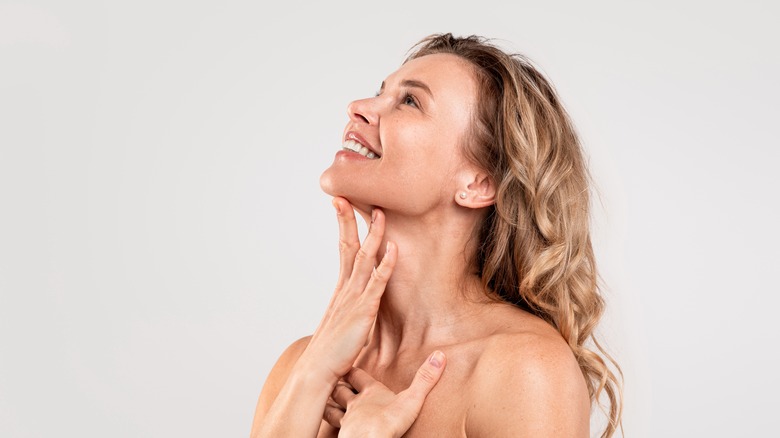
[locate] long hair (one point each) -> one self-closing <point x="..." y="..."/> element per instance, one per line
<point x="534" y="244"/>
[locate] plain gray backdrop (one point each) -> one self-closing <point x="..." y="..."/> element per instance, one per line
<point x="163" y="236"/>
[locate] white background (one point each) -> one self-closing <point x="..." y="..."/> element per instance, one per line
<point x="163" y="236"/>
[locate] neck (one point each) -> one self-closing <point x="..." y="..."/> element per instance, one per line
<point x="432" y="290"/>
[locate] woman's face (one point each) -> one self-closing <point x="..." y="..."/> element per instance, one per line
<point x="413" y="131"/>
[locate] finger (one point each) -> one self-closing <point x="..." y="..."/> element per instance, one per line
<point x="359" y="379"/>
<point x="381" y="274"/>
<point x="342" y="395"/>
<point x="349" y="241"/>
<point x="333" y="414"/>
<point x="425" y="379"/>
<point x="370" y="333"/>
<point x="365" y="258"/>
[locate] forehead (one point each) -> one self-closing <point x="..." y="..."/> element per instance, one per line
<point x="442" y="72"/>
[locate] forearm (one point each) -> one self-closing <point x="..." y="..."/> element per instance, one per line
<point x="298" y="408"/>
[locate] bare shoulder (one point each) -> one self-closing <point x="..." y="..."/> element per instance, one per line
<point x="527" y="383"/>
<point x="277" y="378"/>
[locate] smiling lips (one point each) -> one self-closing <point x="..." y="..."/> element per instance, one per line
<point x="354" y="146"/>
<point x="353" y="142"/>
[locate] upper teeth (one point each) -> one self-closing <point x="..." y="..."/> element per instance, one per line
<point x="359" y="148"/>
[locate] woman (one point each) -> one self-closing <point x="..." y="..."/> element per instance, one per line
<point x="478" y="259"/>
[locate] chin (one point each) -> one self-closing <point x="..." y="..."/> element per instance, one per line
<point x="334" y="187"/>
<point x="327" y="183"/>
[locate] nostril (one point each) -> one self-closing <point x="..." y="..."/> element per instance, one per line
<point x="359" y="111"/>
<point x="356" y="115"/>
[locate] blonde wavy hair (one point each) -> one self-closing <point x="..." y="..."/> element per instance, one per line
<point x="534" y="244"/>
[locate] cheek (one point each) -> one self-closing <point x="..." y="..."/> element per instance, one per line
<point x="425" y="179"/>
<point x="424" y="152"/>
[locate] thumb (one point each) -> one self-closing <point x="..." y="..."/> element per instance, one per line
<point x="426" y="378"/>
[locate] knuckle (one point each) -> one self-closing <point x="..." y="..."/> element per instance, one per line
<point x="379" y="275"/>
<point x="426" y="376"/>
<point x="361" y="255"/>
<point x="347" y="247"/>
<point x="330" y="416"/>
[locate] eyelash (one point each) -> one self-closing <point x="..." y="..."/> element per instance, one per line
<point x="405" y="99"/>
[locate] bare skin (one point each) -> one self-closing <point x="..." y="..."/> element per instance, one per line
<point x="508" y="373"/>
<point x="503" y="377"/>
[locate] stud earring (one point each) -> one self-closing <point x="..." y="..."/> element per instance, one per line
<point x="462" y="195"/>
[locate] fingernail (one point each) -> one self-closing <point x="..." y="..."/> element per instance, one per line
<point x="387" y="248"/>
<point x="373" y="215"/>
<point x="437" y="358"/>
<point x="338" y="207"/>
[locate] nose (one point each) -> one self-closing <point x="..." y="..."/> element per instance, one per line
<point x="363" y="111"/>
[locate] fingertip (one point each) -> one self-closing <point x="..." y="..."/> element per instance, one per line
<point x="437" y="359"/>
<point x="393" y="251"/>
<point x="350" y="376"/>
<point x="376" y="215"/>
<point x="390" y="255"/>
<point x="428" y="375"/>
<point x="393" y="248"/>
<point x="343" y="207"/>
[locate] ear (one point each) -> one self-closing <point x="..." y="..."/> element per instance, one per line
<point x="476" y="191"/>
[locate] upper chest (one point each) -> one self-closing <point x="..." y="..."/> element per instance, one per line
<point x="446" y="407"/>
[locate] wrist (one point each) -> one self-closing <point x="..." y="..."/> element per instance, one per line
<point x="310" y="372"/>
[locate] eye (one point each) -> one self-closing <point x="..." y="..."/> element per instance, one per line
<point x="408" y="99"/>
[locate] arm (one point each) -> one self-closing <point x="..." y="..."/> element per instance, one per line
<point x="530" y="389"/>
<point x="301" y="395"/>
<point x="275" y="382"/>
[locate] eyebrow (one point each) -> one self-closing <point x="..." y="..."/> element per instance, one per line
<point x="412" y="83"/>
